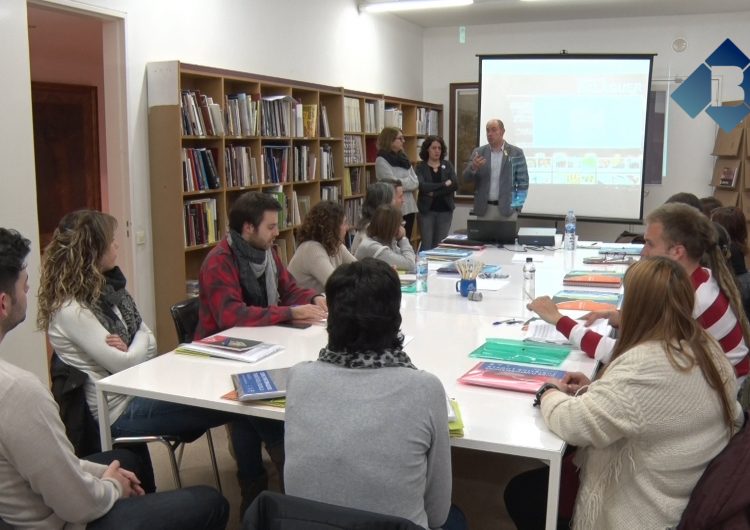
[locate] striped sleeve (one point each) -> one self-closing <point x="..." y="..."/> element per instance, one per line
<point x="592" y="343"/>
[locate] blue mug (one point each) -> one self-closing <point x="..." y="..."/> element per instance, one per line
<point x="466" y="286"/>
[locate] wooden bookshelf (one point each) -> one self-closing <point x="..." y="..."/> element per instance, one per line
<point x="184" y="101"/>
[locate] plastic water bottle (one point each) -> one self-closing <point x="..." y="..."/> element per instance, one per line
<point x="421" y="274"/>
<point x="529" y="281"/>
<point x="570" y="231"/>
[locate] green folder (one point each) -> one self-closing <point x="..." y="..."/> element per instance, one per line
<point x="522" y="352"/>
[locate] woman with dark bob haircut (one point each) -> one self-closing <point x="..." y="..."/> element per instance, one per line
<point x="437" y="185"/>
<point x="321" y="247"/>
<point x="365" y="428"/>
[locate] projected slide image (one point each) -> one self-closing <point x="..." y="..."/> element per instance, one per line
<point x="581" y="121"/>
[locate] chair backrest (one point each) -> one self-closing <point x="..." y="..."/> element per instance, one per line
<point x="69" y="393"/>
<point x="285" y="512"/>
<point x="721" y="498"/>
<point x="185" y="316"/>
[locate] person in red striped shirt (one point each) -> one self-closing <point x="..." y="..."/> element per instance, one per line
<point x="685" y="235"/>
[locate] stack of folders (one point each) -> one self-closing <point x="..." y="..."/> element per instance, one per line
<point x="235" y="348"/>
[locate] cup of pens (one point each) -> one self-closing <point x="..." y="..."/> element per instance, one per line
<point x="468" y="269"/>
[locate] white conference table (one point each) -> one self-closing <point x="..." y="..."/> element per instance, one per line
<point x="445" y="328"/>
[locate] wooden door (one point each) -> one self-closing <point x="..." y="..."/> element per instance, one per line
<point x="66" y="151"/>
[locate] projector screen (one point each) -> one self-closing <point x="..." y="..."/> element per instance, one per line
<point x="581" y="121"/>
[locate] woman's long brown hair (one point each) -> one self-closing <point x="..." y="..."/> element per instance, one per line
<point x="658" y="305"/>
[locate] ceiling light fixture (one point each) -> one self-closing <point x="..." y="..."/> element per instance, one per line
<point x="410" y="5"/>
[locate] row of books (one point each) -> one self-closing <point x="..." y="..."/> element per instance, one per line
<point x="201" y="223"/>
<point x="427" y="121"/>
<point x="240" y="166"/>
<point x="354" y="210"/>
<point x="242" y="114"/>
<point x="326" y="162"/>
<point x="352" y="181"/>
<point x="394" y="117"/>
<point x="329" y="193"/>
<point x="352" y="122"/>
<point x="199" y="170"/>
<point x="353" y="153"/>
<point x="374" y="116"/>
<point x="201" y="116"/>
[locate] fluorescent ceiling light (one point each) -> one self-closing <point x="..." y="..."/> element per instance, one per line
<point x="411" y="5"/>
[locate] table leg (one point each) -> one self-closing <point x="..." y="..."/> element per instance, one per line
<point x="105" y="429"/>
<point x="553" y="491"/>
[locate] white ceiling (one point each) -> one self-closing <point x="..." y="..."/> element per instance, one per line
<point x="500" y="11"/>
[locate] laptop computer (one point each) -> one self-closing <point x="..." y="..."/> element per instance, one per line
<point x="500" y="231"/>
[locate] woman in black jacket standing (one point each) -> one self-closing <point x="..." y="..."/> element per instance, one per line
<point x="437" y="185"/>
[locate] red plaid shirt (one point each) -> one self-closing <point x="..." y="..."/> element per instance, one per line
<point x="222" y="302"/>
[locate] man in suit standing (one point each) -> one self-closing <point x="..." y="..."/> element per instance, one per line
<point x="501" y="179"/>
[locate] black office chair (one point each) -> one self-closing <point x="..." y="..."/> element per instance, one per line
<point x="275" y="510"/>
<point x="185" y="317"/>
<point x="83" y="431"/>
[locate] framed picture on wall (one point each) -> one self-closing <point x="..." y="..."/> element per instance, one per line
<point x="464" y="127"/>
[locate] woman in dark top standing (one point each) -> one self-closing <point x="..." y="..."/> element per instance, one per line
<point x="437" y="184"/>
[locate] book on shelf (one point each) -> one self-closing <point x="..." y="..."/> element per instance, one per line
<point x="587" y="300"/>
<point x="281" y="251"/>
<point x="394" y="117"/>
<point x="192" y="117"/>
<point x="326" y="162"/>
<point x="294" y="207"/>
<point x="297" y="128"/>
<point x="508" y="376"/>
<point x="278" y="194"/>
<point x="329" y="193"/>
<point x="728" y="177"/>
<point x="325" y="130"/>
<point x="276" y="158"/>
<point x="353" y="150"/>
<point x="276" y="117"/>
<point x="242" y="114"/>
<point x="261" y="384"/>
<point x="200" y="222"/>
<point x="259" y="351"/>
<point x="593" y="278"/>
<point x="347" y="182"/>
<point x="240" y="166"/>
<point x="352" y="122"/>
<point x="310" y="121"/>
<point x="354" y="210"/>
<point x="303" y="203"/>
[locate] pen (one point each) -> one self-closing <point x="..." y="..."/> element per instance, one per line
<point x="527" y="294"/>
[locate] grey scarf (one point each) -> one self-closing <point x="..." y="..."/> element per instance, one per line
<point x="367" y="359"/>
<point x="253" y="264"/>
<point x="114" y="295"/>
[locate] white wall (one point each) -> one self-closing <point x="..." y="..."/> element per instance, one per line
<point x="24" y="346"/>
<point x="689" y="142"/>
<point x="325" y="42"/>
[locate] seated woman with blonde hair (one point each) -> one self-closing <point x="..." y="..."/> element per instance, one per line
<point x="648" y="427"/>
<point x="94" y="326"/>
<point x="321" y="248"/>
<point x="386" y="240"/>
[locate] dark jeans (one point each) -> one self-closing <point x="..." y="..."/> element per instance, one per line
<point x="526" y="500"/>
<point x="409" y="224"/>
<point x="456" y="519"/>
<point x="145" y="416"/>
<point x="194" y="508"/>
<point x="434" y="227"/>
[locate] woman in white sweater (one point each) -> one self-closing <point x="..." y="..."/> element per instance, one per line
<point x="663" y="408"/>
<point x="321" y="248"/>
<point x="393" y="164"/>
<point x="94" y="325"/>
<point x="386" y="240"/>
